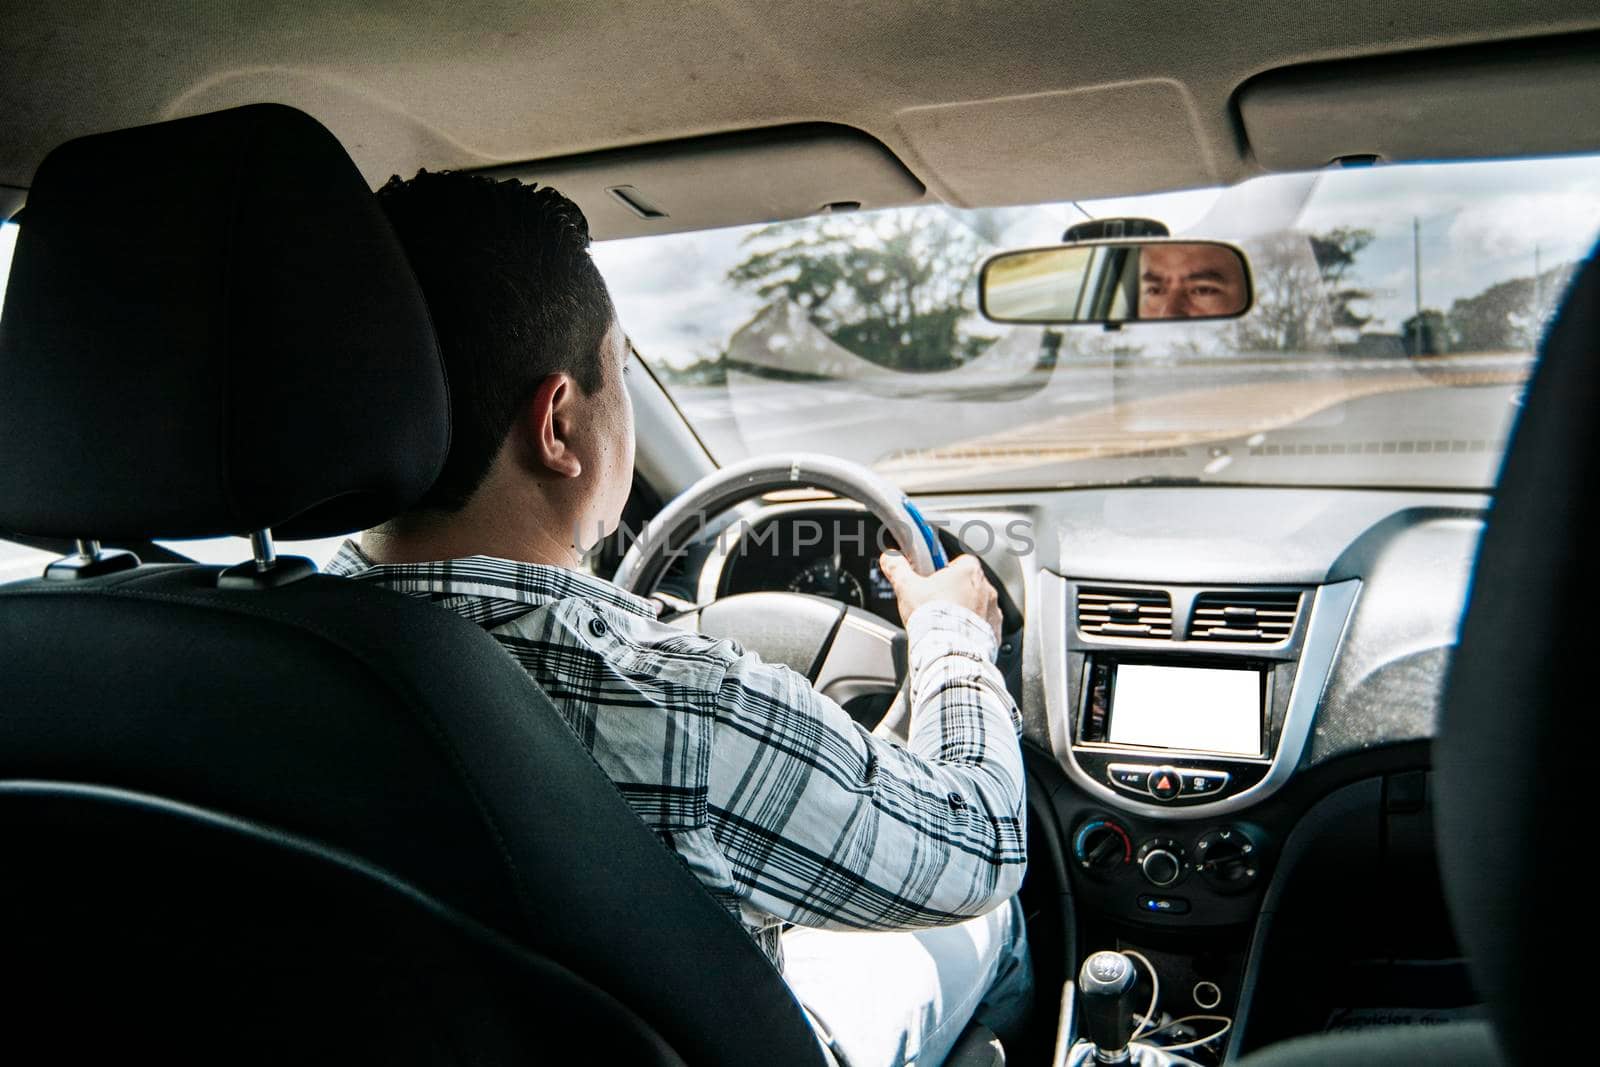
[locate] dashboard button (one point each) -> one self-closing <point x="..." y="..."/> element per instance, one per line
<point x="1164" y="905"/>
<point x="1165" y="783"/>
<point x="1130" y="776"/>
<point x="1203" y="783"/>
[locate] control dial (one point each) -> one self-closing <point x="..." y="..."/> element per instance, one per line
<point x="1102" y="846"/>
<point x="1162" y="860"/>
<point x="1228" y="859"/>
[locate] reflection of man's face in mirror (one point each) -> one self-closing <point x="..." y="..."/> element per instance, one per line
<point x="1189" y="281"/>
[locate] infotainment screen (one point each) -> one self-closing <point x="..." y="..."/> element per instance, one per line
<point x="1209" y="708"/>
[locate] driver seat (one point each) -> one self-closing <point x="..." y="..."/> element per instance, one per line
<point x="257" y="809"/>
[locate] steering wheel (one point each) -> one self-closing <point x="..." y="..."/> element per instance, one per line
<point x="844" y="651"/>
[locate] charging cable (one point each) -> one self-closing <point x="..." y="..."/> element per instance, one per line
<point x="1146" y="1030"/>
<point x="1155" y="993"/>
<point x="1227" y="1024"/>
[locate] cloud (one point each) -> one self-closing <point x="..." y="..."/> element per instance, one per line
<point x="1560" y="223"/>
<point x="671" y="294"/>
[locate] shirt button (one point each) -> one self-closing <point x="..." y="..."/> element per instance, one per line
<point x="957" y="801"/>
<point x="597" y="626"/>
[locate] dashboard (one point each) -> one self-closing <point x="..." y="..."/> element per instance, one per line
<point x="1202" y="672"/>
<point x="1401" y="558"/>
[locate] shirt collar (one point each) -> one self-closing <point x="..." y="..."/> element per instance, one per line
<point x="534" y="584"/>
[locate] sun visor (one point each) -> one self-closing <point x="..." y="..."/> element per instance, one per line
<point x="1514" y="99"/>
<point x="1103" y="140"/>
<point x="726" y="180"/>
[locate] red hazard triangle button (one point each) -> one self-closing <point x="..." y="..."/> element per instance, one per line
<point x="1165" y="783"/>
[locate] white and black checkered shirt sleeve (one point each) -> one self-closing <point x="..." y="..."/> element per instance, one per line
<point x="782" y="806"/>
<point x="825" y="825"/>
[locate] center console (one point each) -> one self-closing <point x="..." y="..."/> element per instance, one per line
<point x="1174" y="711"/>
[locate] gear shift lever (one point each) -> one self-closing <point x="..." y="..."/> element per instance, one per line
<point x="1105" y="989"/>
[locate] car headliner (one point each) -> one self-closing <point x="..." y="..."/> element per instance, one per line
<point x="1019" y="101"/>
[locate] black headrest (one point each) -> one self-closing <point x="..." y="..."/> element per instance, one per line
<point x="210" y="328"/>
<point x="1512" y="790"/>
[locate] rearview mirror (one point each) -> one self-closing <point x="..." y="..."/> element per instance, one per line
<point x="1116" y="282"/>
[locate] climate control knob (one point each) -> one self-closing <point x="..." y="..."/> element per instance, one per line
<point x="1228" y="859"/>
<point x="1161" y="867"/>
<point x="1162" y="860"/>
<point x="1101" y="846"/>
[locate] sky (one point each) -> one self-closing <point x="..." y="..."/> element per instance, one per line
<point x="1479" y="223"/>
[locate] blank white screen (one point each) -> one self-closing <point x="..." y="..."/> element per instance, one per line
<point x="1187" y="707"/>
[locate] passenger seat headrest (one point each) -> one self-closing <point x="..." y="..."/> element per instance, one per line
<point x="210" y="328"/>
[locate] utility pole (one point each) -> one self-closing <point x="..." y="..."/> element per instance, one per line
<point x="1416" y="274"/>
<point x="1538" y="295"/>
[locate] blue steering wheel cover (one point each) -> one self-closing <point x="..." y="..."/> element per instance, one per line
<point x="935" y="549"/>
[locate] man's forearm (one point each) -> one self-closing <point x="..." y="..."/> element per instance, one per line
<point x="826" y="825"/>
<point x="962" y="713"/>
<point x="950" y="647"/>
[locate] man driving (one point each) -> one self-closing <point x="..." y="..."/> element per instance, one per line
<point x="896" y="867"/>
<point x="1186" y="280"/>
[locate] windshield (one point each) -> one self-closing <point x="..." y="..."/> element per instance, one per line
<point x="1397" y="309"/>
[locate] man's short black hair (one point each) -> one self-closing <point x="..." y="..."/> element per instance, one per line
<point x="515" y="296"/>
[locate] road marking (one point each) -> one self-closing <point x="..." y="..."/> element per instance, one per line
<point x="1223" y="413"/>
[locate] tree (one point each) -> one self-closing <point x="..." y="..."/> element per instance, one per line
<point x="895" y="288"/>
<point x="1495" y="319"/>
<point x="1510" y="315"/>
<point x="1302" y="291"/>
<point x="1335" y="253"/>
<point x="1290" y="314"/>
<point x="705" y="370"/>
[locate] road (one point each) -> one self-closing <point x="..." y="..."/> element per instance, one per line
<point x="1316" y="420"/>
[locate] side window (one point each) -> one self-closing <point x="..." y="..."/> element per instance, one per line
<point x="8" y="244"/>
<point x="15" y="560"/>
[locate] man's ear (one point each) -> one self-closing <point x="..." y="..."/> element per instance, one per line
<point x="547" y="427"/>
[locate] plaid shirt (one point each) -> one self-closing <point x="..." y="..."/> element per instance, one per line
<point x="784" y="807"/>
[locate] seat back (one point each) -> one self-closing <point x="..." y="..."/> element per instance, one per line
<point x="121" y="920"/>
<point x="382" y="727"/>
<point x="181" y="356"/>
<point x="1511" y="785"/>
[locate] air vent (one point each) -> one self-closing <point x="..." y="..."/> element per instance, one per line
<point x="1244" y="616"/>
<point x="1124" y="613"/>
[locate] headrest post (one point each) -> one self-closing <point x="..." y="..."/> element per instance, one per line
<point x="267" y="570"/>
<point x="261" y="548"/>
<point x="89" y="561"/>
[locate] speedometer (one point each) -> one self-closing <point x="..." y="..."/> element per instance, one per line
<point x="824" y="577"/>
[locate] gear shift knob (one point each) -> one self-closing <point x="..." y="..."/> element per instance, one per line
<point x="1105" y="991"/>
